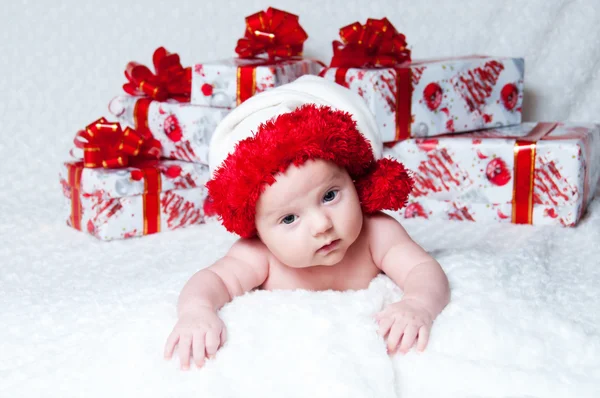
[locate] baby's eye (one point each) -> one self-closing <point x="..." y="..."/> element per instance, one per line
<point x="288" y="219"/>
<point x="330" y="195"/>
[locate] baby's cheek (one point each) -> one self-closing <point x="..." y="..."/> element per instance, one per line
<point x="290" y="250"/>
<point x="353" y="219"/>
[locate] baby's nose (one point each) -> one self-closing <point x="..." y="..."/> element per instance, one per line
<point x="321" y="223"/>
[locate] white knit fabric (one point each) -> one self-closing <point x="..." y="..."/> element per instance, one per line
<point x="244" y="120"/>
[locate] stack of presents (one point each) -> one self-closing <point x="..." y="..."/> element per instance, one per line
<point x="454" y="122"/>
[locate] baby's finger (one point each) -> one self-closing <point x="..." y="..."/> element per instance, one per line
<point x="185" y="343"/>
<point x="198" y="348"/>
<point x="223" y="336"/>
<point x="384" y="326"/>
<point x="170" y="344"/>
<point x="423" y="338"/>
<point x="410" y="333"/>
<point x="395" y="334"/>
<point x="212" y="342"/>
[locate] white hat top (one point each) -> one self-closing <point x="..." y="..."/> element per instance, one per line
<point x="244" y="120"/>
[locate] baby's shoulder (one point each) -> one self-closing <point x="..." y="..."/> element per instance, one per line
<point x="379" y="222"/>
<point x="383" y="231"/>
<point x="251" y="250"/>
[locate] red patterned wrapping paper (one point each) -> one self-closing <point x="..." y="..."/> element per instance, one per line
<point x="439" y="96"/>
<point x="533" y="173"/>
<point x="155" y="196"/>
<point x="229" y="82"/>
<point x="184" y="130"/>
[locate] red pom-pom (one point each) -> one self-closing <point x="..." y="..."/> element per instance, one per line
<point x="386" y="187"/>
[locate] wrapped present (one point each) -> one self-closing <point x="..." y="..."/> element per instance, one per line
<point x="183" y="130"/>
<point x="424" y="98"/>
<point x="134" y="201"/>
<point x="119" y="189"/>
<point x="269" y="55"/>
<point x="533" y="173"/>
<point x="229" y="82"/>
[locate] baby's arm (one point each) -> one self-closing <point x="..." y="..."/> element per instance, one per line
<point x="425" y="285"/>
<point x="199" y="329"/>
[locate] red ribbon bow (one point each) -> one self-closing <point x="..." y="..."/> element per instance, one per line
<point x="274" y="32"/>
<point x="107" y="145"/>
<point x="374" y="44"/>
<point x="171" y="80"/>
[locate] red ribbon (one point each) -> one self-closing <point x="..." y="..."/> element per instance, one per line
<point x="171" y="79"/>
<point x="377" y="43"/>
<point x="75" y="170"/>
<point x="140" y="116"/>
<point x="524" y="173"/>
<point x="274" y="32"/>
<point x="152" y="189"/>
<point x="107" y="145"/>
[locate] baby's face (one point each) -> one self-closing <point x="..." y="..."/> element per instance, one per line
<point x="310" y="216"/>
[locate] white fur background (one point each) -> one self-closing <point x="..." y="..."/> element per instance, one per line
<point x="85" y="318"/>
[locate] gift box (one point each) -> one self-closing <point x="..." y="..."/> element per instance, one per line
<point x="141" y="199"/>
<point x="532" y="173"/>
<point x="269" y="55"/>
<point x="229" y="82"/>
<point x="120" y="187"/>
<point x="424" y="98"/>
<point x="183" y="130"/>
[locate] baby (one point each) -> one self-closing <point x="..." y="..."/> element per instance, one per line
<point x="305" y="193"/>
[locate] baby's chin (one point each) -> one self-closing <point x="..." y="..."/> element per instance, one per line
<point x="318" y="261"/>
<point x="330" y="259"/>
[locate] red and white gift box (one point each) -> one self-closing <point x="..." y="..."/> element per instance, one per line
<point x="428" y="97"/>
<point x="270" y="54"/>
<point x="434" y="97"/>
<point x="533" y="173"/>
<point x="150" y="197"/>
<point x="229" y="82"/>
<point x="183" y="130"/>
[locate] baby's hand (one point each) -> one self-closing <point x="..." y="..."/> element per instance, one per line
<point x="201" y="332"/>
<point x="406" y="320"/>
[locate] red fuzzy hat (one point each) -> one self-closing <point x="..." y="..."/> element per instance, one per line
<point x="310" y="131"/>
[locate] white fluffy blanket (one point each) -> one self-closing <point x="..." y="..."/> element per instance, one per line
<point x="87" y="318"/>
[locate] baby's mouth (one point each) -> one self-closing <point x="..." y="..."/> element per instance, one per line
<point x="329" y="247"/>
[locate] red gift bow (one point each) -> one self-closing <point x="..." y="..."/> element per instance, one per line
<point x="374" y="44"/>
<point x="107" y="145"/>
<point x="274" y="32"/>
<point x="171" y="80"/>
